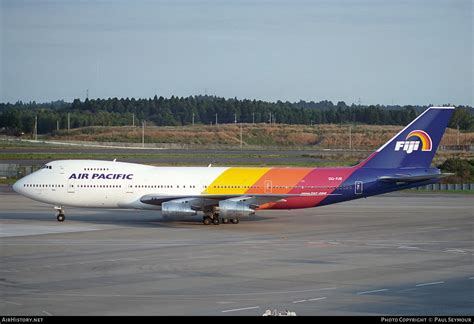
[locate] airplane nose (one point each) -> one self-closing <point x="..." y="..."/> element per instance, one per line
<point x="16" y="186"/>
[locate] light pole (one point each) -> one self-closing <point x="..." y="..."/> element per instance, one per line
<point x="240" y="135"/>
<point x="143" y="134"/>
<point x="36" y="128"/>
<point x="350" y="137"/>
<point x="458" y="136"/>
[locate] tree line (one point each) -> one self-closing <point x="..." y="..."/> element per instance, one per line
<point x="20" y="117"/>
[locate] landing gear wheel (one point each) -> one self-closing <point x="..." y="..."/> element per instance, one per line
<point x="234" y="220"/>
<point x="215" y="221"/>
<point x="206" y="220"/>
<point x="61" y="217"/>
<point x="225" y="221"/>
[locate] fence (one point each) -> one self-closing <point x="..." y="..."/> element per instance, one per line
<point x="13" y="170"/>
<point x="466" y="147"/>
<point x="447" y="186"/>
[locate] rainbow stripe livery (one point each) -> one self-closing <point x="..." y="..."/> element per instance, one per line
<point x="414" y="145"/>
<point x="424" y="138"/>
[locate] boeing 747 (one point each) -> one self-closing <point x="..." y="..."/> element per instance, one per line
<point x="226" y="194"/>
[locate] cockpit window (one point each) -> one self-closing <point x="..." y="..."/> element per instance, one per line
<point x="46" y="167"/>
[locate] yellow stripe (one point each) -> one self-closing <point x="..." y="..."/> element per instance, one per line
<point x="236" y="180"/>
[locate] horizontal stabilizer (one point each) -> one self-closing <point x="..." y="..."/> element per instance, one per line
<point x="413" y="178"/>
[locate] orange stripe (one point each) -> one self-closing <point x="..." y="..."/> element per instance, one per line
<point x="278" y="181"/>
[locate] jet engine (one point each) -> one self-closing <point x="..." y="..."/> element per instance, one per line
<point x="177" y="208"/>
<point x="234" y="209"/>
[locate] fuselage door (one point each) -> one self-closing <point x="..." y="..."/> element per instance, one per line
<point x="129" y="187"/>
<point x="70" y="186"/>
<point x="359" y="187"/>
<point x="268" y="186"/>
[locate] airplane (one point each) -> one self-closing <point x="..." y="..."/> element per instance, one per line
<point x="227" y="194"/>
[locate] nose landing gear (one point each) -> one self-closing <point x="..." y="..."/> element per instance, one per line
<point x="60" y="211"/>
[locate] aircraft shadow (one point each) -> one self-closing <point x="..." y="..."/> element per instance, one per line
<point x="127" y="218"/>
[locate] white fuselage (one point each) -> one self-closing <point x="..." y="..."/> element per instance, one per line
<point x="107" y="184"/>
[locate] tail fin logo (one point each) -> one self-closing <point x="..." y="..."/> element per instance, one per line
<point x="417" y="137"/>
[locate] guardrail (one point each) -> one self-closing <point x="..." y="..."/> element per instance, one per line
<point x="14" y="170"/>
<point x="447" y="186"/>
<point x="465" y="147"/>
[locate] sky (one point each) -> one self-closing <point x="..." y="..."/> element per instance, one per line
<point x="368" y="51"/>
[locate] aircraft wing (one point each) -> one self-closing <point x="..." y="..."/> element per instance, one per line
<point x="413" y="178"/>
<point x="253" y="200"/>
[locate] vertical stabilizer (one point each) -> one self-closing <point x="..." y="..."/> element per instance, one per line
<point x="414" y="146"/>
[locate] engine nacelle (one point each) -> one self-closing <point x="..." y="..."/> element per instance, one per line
<point x="177" y="208"/>
<point x="234" y="209"/>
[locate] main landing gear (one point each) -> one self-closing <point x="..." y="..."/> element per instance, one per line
<point x="214" y="219"/>
<point x="60" y="211"/>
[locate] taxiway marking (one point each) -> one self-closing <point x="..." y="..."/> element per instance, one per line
<point x="9" y="302"/>
<point x="239" y="309"/>
<point x="371" y="291"/>
<point x="430" y="283"/>
<point x="306" y="300"/>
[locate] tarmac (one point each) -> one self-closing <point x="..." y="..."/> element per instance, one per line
<point x="396" y="254"/>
